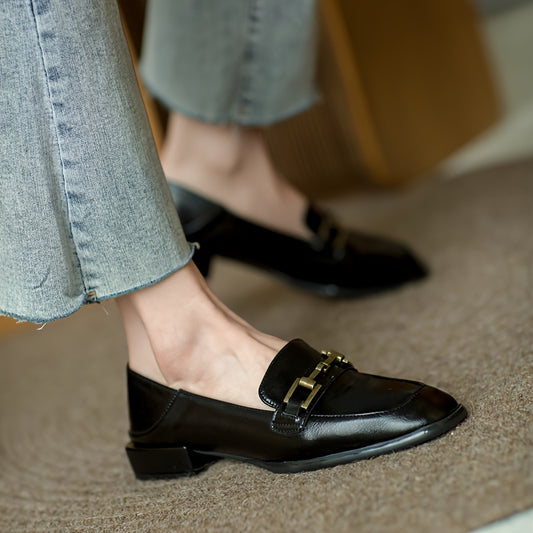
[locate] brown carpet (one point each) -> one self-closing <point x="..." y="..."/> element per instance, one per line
<point x="468" y="329"/>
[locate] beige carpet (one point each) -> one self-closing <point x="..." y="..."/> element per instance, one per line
<point x="468" y="329"/>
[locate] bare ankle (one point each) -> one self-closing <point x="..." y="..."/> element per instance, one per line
<point x="156" y="325"/>
<point x="232" y="166"/>
<point x="197" y="153"/>
<point x="196" y="344"/>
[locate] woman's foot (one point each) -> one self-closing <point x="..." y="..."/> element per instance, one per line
<point x="309" y="410"/>
<point x="180" y="335"/>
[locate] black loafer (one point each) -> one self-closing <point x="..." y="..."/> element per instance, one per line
<point x="335" y="263"/>
<point x="325" y="413"/>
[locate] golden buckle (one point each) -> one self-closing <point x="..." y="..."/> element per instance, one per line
<point x="308" y="382"/>
<point x="332" y="355"/>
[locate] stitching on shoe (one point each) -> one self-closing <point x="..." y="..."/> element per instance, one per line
<point x="267" y="400"/>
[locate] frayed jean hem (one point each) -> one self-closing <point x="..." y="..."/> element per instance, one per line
<point x="232" y="118"/>
<point x="83" y="298"/>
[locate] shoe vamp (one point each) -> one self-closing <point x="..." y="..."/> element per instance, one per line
<point x="356" y="393"/>
<point x="377" y="405"/>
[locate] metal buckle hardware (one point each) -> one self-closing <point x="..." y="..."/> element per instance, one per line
<point x="309" y="383"/>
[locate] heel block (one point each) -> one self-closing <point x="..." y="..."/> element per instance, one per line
<point x="166" y="462"/>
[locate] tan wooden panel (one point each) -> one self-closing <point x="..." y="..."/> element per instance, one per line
<point x="9" y="326"/>
<point x="405" y="83"/>
<point x="425" y="77"/>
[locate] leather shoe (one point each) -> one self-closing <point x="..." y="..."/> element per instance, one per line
<point x="335" y="262"/>
<point x="323" y="412"/>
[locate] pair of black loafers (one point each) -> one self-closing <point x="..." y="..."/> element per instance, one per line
<point x="319" y="410"/>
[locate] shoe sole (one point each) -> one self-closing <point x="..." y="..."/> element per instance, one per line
<point x="149" y="463"/>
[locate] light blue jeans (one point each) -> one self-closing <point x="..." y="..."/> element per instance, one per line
<point x="85" y="212"/>
<point x="249" y="62"/>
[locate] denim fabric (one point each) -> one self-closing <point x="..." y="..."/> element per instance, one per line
<point x="250" y="62"/>
<point x="85" y="212"/>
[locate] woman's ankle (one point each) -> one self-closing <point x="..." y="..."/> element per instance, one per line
<point x="180" y="335"/>
<point x="231" y="166"/>
<point x="161" y="318"/>
<point x="196" y="153"/>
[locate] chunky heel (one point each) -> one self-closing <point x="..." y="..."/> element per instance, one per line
<point x="166" y="462"/>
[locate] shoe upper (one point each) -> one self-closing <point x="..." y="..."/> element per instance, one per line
<point x="348" y="410"/>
